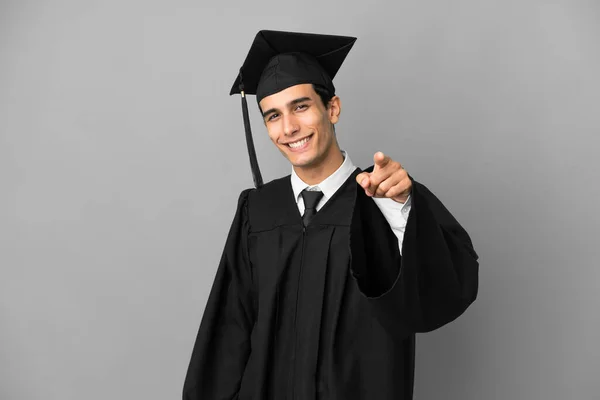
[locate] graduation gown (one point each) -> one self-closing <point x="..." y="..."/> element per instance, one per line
<point x="329" y="311"/>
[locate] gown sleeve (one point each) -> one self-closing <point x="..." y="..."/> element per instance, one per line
<point x="434" y="280"/>
<point x="222" y="346"/>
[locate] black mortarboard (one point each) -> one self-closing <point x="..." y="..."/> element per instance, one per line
<point x="278" y="60"/>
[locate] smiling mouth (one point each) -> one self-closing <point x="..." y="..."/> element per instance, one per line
<point x="299" y="143"/>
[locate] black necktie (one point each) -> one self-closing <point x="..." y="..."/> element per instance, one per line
<point x="311" y="199"/>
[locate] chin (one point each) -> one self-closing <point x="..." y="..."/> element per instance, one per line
<point x="305" y="161"/>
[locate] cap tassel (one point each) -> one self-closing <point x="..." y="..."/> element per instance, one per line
<point x="256" y="176"/>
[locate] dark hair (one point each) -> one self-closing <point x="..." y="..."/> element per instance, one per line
<point x="324" y="94"/>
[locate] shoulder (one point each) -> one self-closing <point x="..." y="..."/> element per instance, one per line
<point x="267" y="196"/>
<point x="269" y="190"/>
<point x="270" y="193"/>
<point x="269" y="205"/>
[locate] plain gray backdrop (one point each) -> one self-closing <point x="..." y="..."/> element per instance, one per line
<point x="122" y="157"/>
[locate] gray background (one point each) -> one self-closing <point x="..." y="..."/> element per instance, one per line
<point x="122" y="156"/>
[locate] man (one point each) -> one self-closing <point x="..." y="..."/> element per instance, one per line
<point x="328" y="273"/>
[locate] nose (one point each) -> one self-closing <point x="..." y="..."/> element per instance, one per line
<point x="290" y="125"/>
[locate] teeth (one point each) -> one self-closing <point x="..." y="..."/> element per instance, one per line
<point x="298" y="144"/>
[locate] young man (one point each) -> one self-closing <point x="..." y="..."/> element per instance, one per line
<point x="328" y="273"/>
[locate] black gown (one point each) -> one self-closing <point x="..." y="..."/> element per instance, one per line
<point x="329" y="311"/>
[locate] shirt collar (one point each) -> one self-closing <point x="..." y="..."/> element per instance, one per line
<point x="329" y="185"/>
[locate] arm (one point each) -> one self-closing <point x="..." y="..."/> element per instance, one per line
<point x="435" y="279"/>
<point x="396" y="214"/>
<point x="222" y="346"/>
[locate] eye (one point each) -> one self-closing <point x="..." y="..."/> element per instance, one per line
<point x="301" y="107"/>
<point x="272" y="117"/>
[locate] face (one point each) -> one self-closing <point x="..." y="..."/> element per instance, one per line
<point x="301" y="126"/>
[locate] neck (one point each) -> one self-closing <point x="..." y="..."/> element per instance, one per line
<point x="316" y="174"/>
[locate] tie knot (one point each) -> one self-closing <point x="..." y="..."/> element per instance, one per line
<point x="311" y="198"/>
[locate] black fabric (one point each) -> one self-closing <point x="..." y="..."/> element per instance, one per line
<point x="329" y="311"/>
<point x="256" y="175"/>
<point x="278" y="60"/>
<point x="311" y="199"/>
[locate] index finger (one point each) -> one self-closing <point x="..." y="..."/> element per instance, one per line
<point x="381" y="160"/>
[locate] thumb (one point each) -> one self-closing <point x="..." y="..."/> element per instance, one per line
<point x="363" y="179"/>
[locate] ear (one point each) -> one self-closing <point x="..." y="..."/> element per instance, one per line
<point x="335" y="109"/>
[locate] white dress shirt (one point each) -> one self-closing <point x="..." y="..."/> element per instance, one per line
<point x="395" y="213"/>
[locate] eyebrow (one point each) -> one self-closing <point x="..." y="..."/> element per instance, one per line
<point x="290" y="104"/>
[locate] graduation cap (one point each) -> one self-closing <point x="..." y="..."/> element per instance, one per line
<point x="278" y="60"/>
